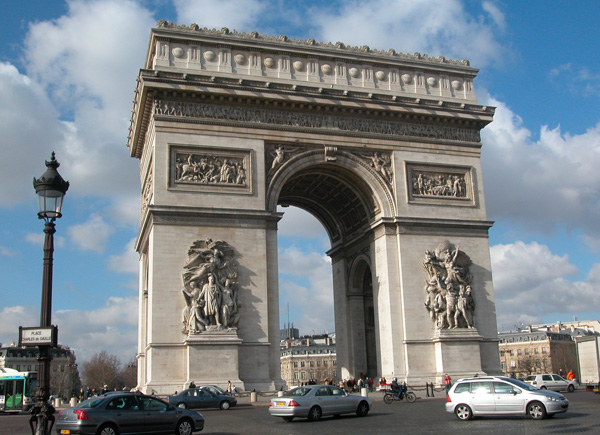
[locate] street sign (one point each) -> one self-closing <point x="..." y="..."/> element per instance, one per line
<point x="38" y="336"/>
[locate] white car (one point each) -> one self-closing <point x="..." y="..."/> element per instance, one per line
<point x="548" y="381"/>
<point x="499" y="395"/>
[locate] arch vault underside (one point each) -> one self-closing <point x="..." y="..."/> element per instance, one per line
<point x="383" y="149"/>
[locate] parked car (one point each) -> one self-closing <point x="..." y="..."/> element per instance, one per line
<point x="202" y="398"/>
<point x="131" y="413"/>
<point x="547" y="381"/>
<point x="316" y="401"/>
<point x="499" y="395"/>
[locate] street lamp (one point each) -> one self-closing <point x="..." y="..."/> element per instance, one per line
<point x="50" y="189"/>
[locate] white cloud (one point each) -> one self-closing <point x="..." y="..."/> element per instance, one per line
<point x="307" y="285"/>
<point x="38" y="239"/>
<point x="433" y="27"/>
<point x="6" y="252"/>
<point x="530" y="282"/>
<point x="13" y="317"/>
<point x="541" y="184"/>
<point x="30" y="131"/>
<point x="91" y="235"/>
<point x="233" y="14"/>
<point x="112" y="327"/>
<point x="127" y="261"/>
<point x="297" y="222"/>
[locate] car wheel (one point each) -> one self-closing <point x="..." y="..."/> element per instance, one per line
<point x="108" y="429"/>
<point x="225" y="405"/>
<point x="543" y="387"/>
<point x="411" y="397"/>
<point x="570" y="388"/>
<point x="388" y="399"/>
<point x="363" y="409"/>
<point x="288" y="419"/>
<point x="536" y="410"/>
<point x="463" y="412"/>
<point x="184" y="427"/>
<point x="315" y="413"/>
<point x="182" y="405"/>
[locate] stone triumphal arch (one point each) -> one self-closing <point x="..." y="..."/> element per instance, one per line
<point x="383" y="148"/>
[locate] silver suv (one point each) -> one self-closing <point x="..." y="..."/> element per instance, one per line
<point x="499" y="395"/>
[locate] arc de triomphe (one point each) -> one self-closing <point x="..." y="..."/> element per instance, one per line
<point x="383" y="148"/>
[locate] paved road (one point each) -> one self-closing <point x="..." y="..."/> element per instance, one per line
<point x="426" y="416"/>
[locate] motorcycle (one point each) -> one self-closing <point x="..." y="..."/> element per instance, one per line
<point x="391" y="396"/>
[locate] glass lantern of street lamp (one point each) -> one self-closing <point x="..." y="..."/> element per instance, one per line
<point x="50" y="189"/>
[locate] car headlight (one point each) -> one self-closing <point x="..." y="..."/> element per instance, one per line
<point x="556" y="399"/>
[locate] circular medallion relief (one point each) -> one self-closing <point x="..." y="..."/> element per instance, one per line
<point x="209" y="55"/>
<point x="299" y="65"/>
<point x="380" y="75"/>
<point x="354" y="72"/>
<point x="178" y="52"/>
<point x="456" y="84"/>
<point x="431" y="81"/>
<point x="326" y="68"/>
<point x="240" y="59"/>
<point x="406" y="78"/>
<point x="269" y="62"/>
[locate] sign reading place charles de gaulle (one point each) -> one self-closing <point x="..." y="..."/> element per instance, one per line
<point x="38" y="336"/>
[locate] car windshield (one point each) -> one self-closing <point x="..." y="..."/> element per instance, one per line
<point x="300" y="391"/>
<point x="530" y="378"/>
<point x="521" y="384"/>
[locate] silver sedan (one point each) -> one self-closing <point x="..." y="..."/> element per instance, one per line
<point x="315" y="401"/>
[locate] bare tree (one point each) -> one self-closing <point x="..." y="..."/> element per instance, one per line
<point x="102" y="369"/>
<point x="129" y="374"/>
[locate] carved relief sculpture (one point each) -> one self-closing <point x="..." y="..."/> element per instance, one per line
<point x="427" y="183"/>
<point x="210" y="288"/>
<point x="382" y="163"/>
<point x="209" y="169"/>
<point x="448" y="287"/>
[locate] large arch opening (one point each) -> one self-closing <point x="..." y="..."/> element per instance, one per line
<point x="346" y="207"/>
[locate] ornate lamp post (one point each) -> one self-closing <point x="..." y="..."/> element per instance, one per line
<point x="50" y="189"/>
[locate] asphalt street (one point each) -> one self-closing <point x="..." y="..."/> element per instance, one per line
<point x="425" y="416"/>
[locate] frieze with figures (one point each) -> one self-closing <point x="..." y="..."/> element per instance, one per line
<point x="210" y="288"/>
<point x="449" y="299"/>
<point x="292" y="119"/>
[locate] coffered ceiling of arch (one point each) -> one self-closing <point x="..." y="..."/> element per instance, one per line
<point x="341" y="201"/>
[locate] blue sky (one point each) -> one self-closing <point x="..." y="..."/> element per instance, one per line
<point x="67" y="74"/>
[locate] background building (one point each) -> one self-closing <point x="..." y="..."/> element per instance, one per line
<point x="309" y="359"/>
<point x="289" y="332"/>
<point x="64" y="374"/>
<point x="546" y="348"/>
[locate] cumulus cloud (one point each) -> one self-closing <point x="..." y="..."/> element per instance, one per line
<point x="530" y="282"/>
<point x="112" y="327"/>
<point x="306" y="283"/>
<point x="91" y="235"/>
<point x="541" y="184"/>
<point x="13" y="317"/>
<point x="127" y="261"/>
<point x="434" y="27"/>
<point x="30" y="131"/>
<point x="88" y="60"/>
<point x="234" y="14"/>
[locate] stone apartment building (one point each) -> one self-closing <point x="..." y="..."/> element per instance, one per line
<point x="307" y="359"/>
<point x="64" y="374"/>
<point x="542" y="348"/>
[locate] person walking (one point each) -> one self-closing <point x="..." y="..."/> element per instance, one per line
<point x="448" y="382"/>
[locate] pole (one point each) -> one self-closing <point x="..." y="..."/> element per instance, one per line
<point x="42" y="414"/>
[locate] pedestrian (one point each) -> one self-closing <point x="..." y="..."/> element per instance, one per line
<point x="561" y="373"/>
<point x="571" y="375"/>
<point x="192" y="385"/>
<point x="105" y="389"/>
<point x="229" y="387"/>
<point x="448" y="382"/>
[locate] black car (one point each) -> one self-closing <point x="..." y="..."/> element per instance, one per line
<point x="127" y="413"/>
<point x="202" y="398"/>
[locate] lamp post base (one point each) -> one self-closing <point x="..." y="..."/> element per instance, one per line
<point x="42" y="417"/>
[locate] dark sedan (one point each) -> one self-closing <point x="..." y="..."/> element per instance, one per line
<point x="127" y="413"/>
<point x="202" y="398"/>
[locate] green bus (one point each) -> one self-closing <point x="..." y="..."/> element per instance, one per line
<point x="17" y="390"/>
